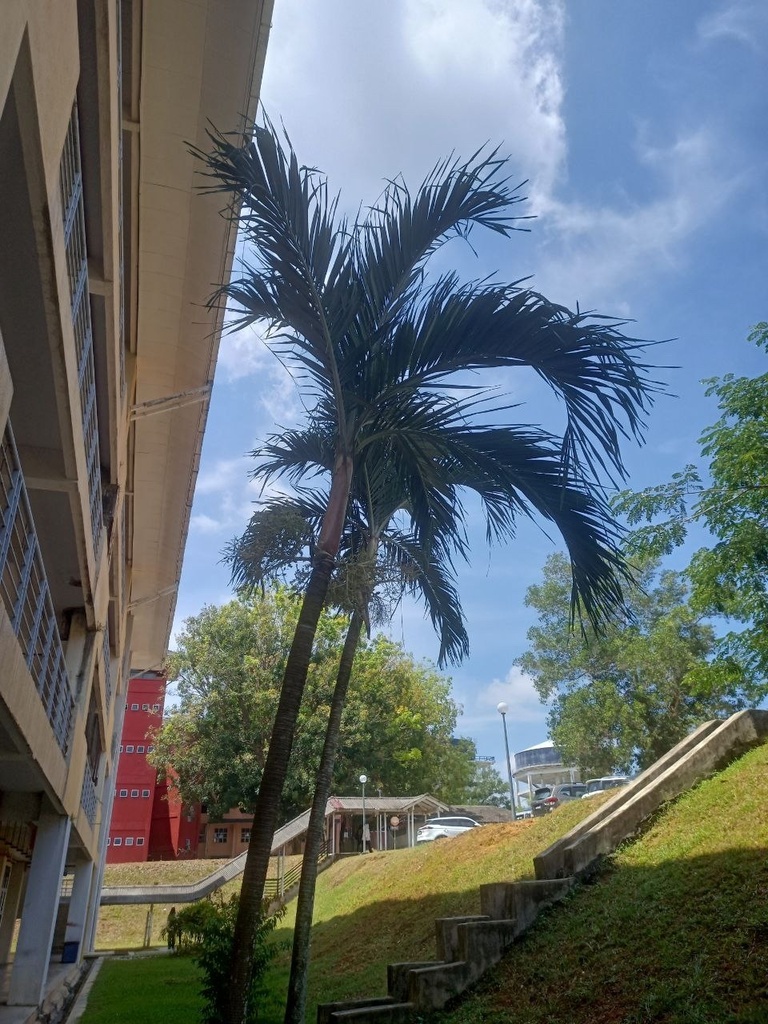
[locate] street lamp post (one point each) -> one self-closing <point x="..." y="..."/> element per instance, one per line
<point x="363" y="780"/>
<point x="502" y="707"/>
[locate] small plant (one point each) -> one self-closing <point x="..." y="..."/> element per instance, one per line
<point x="214" y="954"/>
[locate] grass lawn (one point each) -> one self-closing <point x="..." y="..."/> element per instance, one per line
<point x="145" y="990"/>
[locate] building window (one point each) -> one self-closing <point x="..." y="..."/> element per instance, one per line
<point x="145" y="707"/>
<point x="245" y="835"/>
<point x="117" y="841"/>
<point x="145" y="792"/>
<point x="140" y="840"/>
<point x="134" y="792"/>
<point x="109" y="840"/>
<point x="123" y="792"/>
<point x="121" y="748"/>
<point x="134" y="707"/>
<point x="129" y="749"/>
<point x="220" y="835"/>
<point x="155" y="708"/>
<point x="150" y="748"/>
<point x="140" y="748"/>
<point x="129" y="841"/>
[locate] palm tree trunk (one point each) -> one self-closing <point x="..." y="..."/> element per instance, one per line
<point x="296" y="1004"/>
<point x="276" y="766"/>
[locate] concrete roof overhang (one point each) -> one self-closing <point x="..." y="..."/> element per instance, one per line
<point x="200" y="64"/>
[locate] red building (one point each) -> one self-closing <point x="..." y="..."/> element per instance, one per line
<point x="148" y="819"/>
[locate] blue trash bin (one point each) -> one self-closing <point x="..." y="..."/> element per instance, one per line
<point x="69" y="952"/>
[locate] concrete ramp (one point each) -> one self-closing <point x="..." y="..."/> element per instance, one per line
<point x="705" y="751"/>
<point x="127" y="894"/>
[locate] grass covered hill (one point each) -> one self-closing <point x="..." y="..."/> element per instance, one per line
<point x="674" y="931"/>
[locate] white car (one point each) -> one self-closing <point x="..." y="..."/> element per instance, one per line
<point x="595" y="786"/>
<point x="444" y="828"/>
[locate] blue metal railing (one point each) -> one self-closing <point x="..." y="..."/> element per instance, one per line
<point x="107" y="660"/>
<point x="26" y="596"/>
<point x="71" y="188"/>
<point x="88" y="800"/>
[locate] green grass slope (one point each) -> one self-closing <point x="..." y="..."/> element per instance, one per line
<point x="675" y="931"/>
<point x="380" y="908"/>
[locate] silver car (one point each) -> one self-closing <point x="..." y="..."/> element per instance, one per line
<point x="595" y="786"/>
<point x="444" y="828"/>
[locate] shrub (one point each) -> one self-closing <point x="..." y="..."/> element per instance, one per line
<point x="213" y="929"/>
<point x="189" y="925"/>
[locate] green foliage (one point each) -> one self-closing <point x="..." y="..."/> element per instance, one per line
<point x="188" y="926"/>
<point x="621" y="699"/>
<point x="729" y="578"/>
<point x="487" y="787"/>
<point x="398" y="723"/>
<point x="214" y="920"/>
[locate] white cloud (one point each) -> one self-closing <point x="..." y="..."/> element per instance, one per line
<point x="222" y="475"/>
<point x="601" y="255"/>
<point x="517" y="689"/>
<point x="243" y="354"/>
<point x="430" y="76"/>
<point x="204" y="524"/>
<point x="741" y="20"/>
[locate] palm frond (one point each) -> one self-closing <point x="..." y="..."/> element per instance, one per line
<point x="433" y="582"/>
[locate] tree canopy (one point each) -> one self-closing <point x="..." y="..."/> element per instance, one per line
<point x="621" y="698"/>
<point x="729" y="496"/>
<point x="398" y="725"/>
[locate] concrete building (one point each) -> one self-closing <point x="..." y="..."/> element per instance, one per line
<point x="107" y="257"/>
<point x="542" y="765"/>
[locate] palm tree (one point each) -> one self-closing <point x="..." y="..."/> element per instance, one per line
<point x="374" y="342"/>
<point x="271" y="543"/>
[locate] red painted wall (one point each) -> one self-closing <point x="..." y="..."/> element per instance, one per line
<point x="131" y="824"/>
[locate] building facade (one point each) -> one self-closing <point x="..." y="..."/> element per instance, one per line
<point x="149" y="821"/>
<point x="107" y="257"/>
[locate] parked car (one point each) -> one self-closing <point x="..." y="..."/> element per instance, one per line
<point x="547" y="798"/>
<point x="444" y="828"/>
<point x="606" y="782"/>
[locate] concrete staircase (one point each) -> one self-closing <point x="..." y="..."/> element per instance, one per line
<point x="468" y="946"/>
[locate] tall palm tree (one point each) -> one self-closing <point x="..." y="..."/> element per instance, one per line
<point x="375" y="342"/>
<point x="374" y="552"/>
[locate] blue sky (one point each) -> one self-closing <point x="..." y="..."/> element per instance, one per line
<point x="642" y="131"/>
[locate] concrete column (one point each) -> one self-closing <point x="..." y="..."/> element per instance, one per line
<point x="78" y="905"/>
<point x="38" y="916"/>
<point x="11" y="908"/>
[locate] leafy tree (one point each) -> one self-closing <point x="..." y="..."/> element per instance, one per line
<point x="486" y="787"/>
<point x="398" y="723"/>
<point x="375" y="342"/>
<point x="621" y="698"/>
<point x="729" y="578"/>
